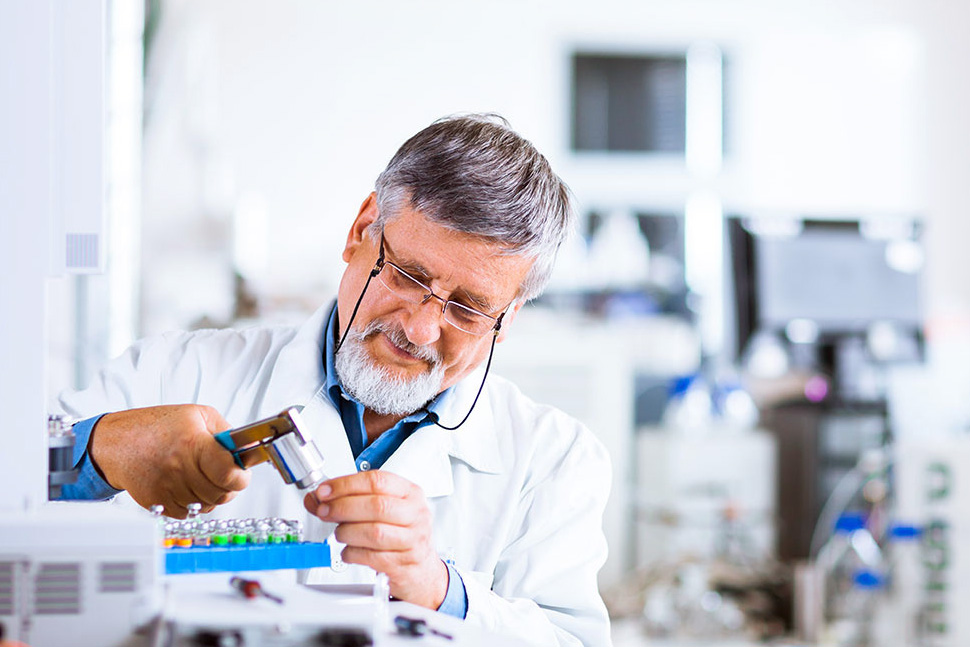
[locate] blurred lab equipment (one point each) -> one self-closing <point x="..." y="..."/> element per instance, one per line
<point x="706" y="465"/>
<point x="62" y="566"/>
<point x="704" y="504"/>
<point x="933" y="573"/>
<point x="851" y="564"/>
<point x="691" y="489"/>
<point x="902" y="617"/>
<point x="60" y="454"/>
<point x="889" y="566"/>
<point x="417" y="627"/>
<point x="823" y="310"/>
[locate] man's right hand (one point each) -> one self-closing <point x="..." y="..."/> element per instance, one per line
<point x="166" y="455"/>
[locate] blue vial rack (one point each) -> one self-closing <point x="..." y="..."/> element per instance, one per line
<point x="261" y="557"/>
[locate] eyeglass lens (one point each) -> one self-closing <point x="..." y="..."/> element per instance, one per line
<point x="410" y="289"/>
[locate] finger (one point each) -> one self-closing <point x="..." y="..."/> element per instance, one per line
<point x="375" y="536"/>
<point x="381" y="561"/>
<point x="370" y="482"/>
<point x="201" y="490"/>
<point x="218" y="466"/>
<point x="178" y="507"/>
<point x="310" y="502"/>
<point x="371" y="507"/>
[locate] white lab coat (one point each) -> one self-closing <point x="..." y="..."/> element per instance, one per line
<point x="517" y="492"/>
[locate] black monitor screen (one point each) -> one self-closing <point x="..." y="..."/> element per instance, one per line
<point x="836" y="277"/>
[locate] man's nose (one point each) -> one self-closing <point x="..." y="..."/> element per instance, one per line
<point x="424" y="322"/>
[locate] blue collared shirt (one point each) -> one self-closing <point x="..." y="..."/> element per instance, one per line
<point x="91" y="486"/>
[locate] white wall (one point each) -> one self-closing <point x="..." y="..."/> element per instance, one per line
<point x="836" y="108"/>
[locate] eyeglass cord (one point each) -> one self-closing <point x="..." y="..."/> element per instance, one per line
<point x="434" y="417"/>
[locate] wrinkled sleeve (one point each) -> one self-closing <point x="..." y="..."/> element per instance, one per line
<point x="544" y="588"/>
<point x="133" y="379"/>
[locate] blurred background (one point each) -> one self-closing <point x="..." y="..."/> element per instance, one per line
<point x="764" y="312"/>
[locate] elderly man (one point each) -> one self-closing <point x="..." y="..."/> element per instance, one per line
<point x="473" y="499"/>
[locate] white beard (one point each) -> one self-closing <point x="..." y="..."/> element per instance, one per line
<point x="374" y="386"/>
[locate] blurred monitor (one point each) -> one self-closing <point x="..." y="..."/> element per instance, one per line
<point x="840" y="275"/>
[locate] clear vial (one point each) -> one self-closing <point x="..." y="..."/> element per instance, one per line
<point x="261" y="532"/>
<point x="169" y="534"/>
<point x="183" y="536"/>
<point x="195" y="528"/>
<point x="278" y="531"/>
<point x="238" y="533"/>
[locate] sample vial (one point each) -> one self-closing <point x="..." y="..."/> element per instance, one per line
<point x="195" y="526"/>
<point x="220" y="534"/>
<point x="170" y="532"/>
<point x="296" y="531"/>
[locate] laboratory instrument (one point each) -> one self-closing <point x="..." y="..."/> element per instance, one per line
<point x="932" y="575"/>
<point x="60" y="454"/>
<point x="417" y="627"/>
<point x="252" y="589"/>
<point x="279" y="440"/>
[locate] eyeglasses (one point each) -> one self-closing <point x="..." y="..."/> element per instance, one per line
<point x="414" y="291"/>
<point x="406" y="287"/>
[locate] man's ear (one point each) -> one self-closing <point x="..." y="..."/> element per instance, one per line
<point x="508" y="319"/>
<point x="358" y="231"/>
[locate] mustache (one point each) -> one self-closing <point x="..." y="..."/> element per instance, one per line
<point x="398" y="337"/>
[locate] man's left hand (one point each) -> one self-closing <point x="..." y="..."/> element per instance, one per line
<point x="385" y="523"/>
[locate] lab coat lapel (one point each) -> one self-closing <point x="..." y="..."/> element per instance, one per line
<point x="298" y="380"/>
<point x="298" y="371"/>
<point x="323" y="424"/>
<point x="425" y="458"/>
<point x="474" y="442"/>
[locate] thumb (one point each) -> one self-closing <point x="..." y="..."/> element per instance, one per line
<point x="214" y="422"/>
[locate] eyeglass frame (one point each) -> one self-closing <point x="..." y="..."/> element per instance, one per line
<point x="382" y="261"/>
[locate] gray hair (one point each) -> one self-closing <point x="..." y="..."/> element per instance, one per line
<point x="475" y="175"/>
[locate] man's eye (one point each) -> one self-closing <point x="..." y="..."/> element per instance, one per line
<point x="464" y="315"/>
<point x="405" y="279"/>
